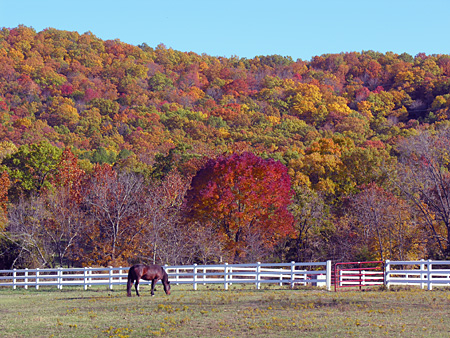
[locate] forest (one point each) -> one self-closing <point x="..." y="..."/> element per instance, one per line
<point x="112" y="154"/>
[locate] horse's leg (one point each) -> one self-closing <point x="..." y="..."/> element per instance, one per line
<point x="129" y="285"/>
<point x="153" y="286"/>
<point x="136" y="286"/>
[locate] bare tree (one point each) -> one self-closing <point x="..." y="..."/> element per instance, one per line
<point x="165" y="238"/>
<point x="255" y="248"/>
<point x="114" y="204"/>
<point x="424" y="178"/>
<point x="65" y="223"/>
<point x="204" y="244"/>
<point x="384" y="223"/>
<point x="25" y="223"/>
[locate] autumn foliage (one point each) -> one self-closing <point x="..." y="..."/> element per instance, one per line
<point x="4" y="186"/>
<point x="112" y="135"/>
<point x="245" y="198"/>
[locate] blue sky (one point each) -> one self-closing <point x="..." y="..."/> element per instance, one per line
<point x="300" y="29"/>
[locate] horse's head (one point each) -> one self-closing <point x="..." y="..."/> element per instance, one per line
<point x="167" y="287"/>
<point x="165" y="282"/>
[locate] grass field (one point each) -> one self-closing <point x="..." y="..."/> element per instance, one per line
<point x="213" y="312"/>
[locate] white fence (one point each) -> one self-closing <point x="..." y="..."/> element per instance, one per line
<point x="424" y="274"/>
<point x="316" y="274"/>
<point x="421" y="273"/>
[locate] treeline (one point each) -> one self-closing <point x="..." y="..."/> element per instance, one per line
<point x="359" y="141"/>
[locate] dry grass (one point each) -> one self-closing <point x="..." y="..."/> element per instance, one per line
<point x="212" y="312"/>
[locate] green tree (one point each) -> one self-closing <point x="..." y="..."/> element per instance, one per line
<point x="311" y="218"/>
<point x="159" y="82"/>
<point x="31" y="168"/>
<point x="105" y="106"/>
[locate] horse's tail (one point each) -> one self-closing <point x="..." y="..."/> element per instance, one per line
<point x="130" y="281"/>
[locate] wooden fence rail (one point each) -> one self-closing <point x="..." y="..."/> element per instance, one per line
<point x="313" y="273"/>
<point x="420" y="273"/>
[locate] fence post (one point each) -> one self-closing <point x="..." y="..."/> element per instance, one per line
<point x="258" y="271"/>
<point x="37" y="279"/>
<point x="195" y="277"/>
<point x="120" y="275"/>
<point x="360" y="274"/>
<point x="230" y="275"/>
<point x="26" y="279"/>
<point x="329" y="271"/>
<point x="429" y="271"/>
<point x="14" y="279"/>
<point x="387" y="269"/>
<point x="59" y="279"/>
<point x="204" y="275"/>
<point x="111" y="270"/>
<point x="422" y="274"/>
<point x="292" y="274"/>
<point x="225" y="275"/>
<point x="85" y="277"/>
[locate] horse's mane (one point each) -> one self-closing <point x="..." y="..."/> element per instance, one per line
<point x="165" y="275"/>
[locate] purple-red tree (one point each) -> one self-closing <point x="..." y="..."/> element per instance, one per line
<point x="245" y="198"/>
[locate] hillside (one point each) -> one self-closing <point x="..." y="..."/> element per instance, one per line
<point x="335" y="122"/>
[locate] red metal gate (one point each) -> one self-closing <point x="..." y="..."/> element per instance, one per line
<point x="358" y="274"/>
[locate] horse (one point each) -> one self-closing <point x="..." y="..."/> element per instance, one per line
<point x="147" y="272"/>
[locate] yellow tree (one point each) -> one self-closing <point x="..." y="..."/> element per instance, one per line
<point x="62" y="111"/>
<point x="306" y="102"/>
<point x="319" y="166"/>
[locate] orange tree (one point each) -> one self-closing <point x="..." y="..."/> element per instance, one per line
<point x="4" y="185"/>
<point x="245" y="199"/>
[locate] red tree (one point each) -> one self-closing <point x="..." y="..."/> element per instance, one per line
<point x="246" y="198"/>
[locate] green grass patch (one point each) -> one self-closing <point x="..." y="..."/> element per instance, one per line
<point x="211" y="311"/>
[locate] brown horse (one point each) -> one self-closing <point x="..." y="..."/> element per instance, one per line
<point x="147" y="272"/>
